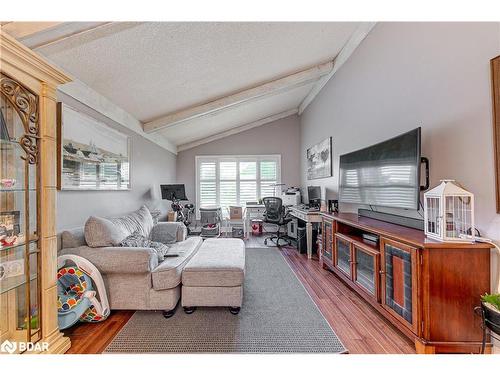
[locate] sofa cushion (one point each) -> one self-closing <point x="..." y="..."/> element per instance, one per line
<point x="73" y="238"/>
<point x="168" y="274"/>
<point x="218" y="262"/>
<point x="169" y="232"/>
<point x="113" y="260"/>
<point x="101" y="232"/>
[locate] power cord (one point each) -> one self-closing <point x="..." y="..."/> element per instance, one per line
<point x="497" y="247"/>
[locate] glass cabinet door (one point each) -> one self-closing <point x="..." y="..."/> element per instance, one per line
<point x="343" y="257"/>
<point x="399" y="282"/>
<point x="327" y="250"/>
<point x="366" y="269"/>
<point x="19" y="250"/>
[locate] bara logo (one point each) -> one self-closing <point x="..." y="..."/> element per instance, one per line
<point x="8" y="347"/>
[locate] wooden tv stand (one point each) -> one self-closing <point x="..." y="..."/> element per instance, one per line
<point x="427" y="289"/>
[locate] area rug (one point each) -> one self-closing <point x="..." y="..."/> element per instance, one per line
<point x="278" y="316"/>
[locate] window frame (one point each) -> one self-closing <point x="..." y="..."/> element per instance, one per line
<point x="238" y="158"/>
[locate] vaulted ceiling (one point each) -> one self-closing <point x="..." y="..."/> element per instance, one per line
<point x="190" y="82"/>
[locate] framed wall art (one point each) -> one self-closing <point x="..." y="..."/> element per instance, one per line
<point x="319" y="160"/>
<point x="91" y="155"/>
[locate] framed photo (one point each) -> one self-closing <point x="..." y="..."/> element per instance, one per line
<point x="9" y="223"/>
<point x="91" y="155"/>
<point x="319" y="160"/>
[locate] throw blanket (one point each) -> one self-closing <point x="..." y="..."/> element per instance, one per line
<point x="138" y="240"/>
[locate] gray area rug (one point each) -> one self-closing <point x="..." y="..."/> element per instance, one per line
<point x="278" y="316"/>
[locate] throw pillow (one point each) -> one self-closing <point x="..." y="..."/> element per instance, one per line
<point x="138" y="221"/>
<point x="100" y="232"/>
<point x="136" y="239"/>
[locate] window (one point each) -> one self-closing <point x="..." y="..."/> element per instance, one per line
<point x="235" y="180"/>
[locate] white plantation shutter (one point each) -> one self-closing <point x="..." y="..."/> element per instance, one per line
<point x="248" y="181"/>
<point x="268" y="177"/>
<point x="207" y="183"/>
<point x="235" y="180"/>
<point x="248" y="192"/>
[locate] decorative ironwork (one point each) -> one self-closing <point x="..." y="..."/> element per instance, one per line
<point x="26" y="105"/>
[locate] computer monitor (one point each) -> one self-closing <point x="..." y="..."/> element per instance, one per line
<point x="174" y="191"/>
<point x="314" y="195"/>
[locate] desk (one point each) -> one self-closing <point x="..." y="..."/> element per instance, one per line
<point x="309" y="217"/>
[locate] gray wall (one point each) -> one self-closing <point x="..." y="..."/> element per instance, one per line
<point x="151" y="165"/>
<point x="404" y="75"/>
<point x="278" y="137"/>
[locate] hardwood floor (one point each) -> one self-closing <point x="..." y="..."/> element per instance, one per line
<point x="92" y="338"/>
<point x="360" y="327"/>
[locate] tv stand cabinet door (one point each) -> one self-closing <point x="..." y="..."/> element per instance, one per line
<point x="326" y="253"/>
<point x="366" y="270"/>
<point x="343" y="255"/>
<point x="400" y="282"/>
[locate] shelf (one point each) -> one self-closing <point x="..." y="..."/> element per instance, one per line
<point x="358" y="240"/>
<point x="20" y="244"/>
<point x="14" y="282"/>
<point x="15" y="190"/>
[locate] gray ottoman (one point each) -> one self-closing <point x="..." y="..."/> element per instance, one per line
<point x="214" y="275"/>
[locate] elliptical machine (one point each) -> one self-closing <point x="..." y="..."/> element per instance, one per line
<point x="177" y="193"/>
<point x="184" y="212"/>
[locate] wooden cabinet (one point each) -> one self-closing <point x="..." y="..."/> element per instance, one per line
<point x="427" y="289"/>
<point x="399" y="282"/>
<point x="28" y="290"/>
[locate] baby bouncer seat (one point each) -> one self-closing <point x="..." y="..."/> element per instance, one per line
<point x="210" y="220"/>
<point x="81" y="292"/>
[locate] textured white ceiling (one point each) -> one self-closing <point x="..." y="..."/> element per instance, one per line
<point x="152" y="69"/>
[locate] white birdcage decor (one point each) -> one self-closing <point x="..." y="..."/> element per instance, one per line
<point x="449" y="213"/>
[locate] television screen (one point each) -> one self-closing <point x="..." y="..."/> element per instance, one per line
<point x="386" y="174"/>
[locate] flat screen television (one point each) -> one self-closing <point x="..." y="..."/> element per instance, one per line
<point x="385" y="174"/>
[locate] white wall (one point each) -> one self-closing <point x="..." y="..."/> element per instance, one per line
<point x="278" y="137"/>
<point x="150" y="166"/>
<point x="404" y="75"/>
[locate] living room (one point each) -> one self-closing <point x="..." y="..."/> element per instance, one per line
<point x="180" y="187"/>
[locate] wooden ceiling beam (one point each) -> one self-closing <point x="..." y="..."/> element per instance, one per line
<point x="267" y="89"/>
<point x="60" y="32"/>
<point x="238" y="129"/>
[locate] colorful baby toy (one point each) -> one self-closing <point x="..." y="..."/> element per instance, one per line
<point x="77" y="299"/>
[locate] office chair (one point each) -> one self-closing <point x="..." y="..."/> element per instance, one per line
<point x="275" y="214"/>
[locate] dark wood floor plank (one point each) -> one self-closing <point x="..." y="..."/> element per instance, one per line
<point x="358" y="325"/>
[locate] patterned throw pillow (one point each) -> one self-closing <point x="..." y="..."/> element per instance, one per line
<point x="138" y="240"/>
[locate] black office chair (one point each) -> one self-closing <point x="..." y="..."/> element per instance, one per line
<point x="276" y="214"/>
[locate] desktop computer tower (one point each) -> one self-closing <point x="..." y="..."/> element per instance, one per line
<point x="292" y="229"/>
<point x="302" y="240"/>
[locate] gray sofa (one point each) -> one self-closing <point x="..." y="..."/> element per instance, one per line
<point x="135" y="279"/>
